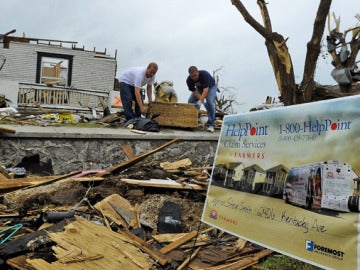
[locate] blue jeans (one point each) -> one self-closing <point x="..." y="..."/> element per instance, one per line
<point x="127" y="95"/>
<point x="209" y="105"/>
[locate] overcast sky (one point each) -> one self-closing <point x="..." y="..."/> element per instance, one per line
<point x="176" y="34"/>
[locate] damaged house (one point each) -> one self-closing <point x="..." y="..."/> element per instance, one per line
<point x="54" y="74"/>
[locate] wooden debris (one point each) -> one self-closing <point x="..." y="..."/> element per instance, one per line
<point x="178" y="242"/>
<point x="159" y="183"/>
<point x="138" y="131"/>
<point x="4" y="173"/>
<point x="21" y="246"/>
<point x="111" y="118"/>
<point x="188" y="259"/>
<point x="140" y="243"/>
<point x="128" y="151"/>
<point x="85" y="245"/>
<point x="18" y="262"/>
<point x="137" y="159"/>
<point x="115" y="201"/>
<point x="183" y="163"/>
<point x="124" y="242"/>
<point x="87" y="179"/>
<point x="17" y="183"/>
<point x="7" y="130"/>
<point x="168" y="237"/>
<point x="240" y="244"/>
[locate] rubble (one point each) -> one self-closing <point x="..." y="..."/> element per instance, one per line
<point x="126" y="217"/>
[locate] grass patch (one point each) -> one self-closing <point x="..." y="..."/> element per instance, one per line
<point x="282" y="262"/>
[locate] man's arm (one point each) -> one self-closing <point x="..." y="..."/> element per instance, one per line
<point x="139" y="100"/>
<point x="197" y="94"/>
<point x="204" y="94"/>
<point x="149" y="92"/>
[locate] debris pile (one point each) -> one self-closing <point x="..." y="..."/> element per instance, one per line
<point x="135" y="215"/>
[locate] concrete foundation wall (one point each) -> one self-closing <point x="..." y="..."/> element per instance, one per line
<point x="88" y="151"/>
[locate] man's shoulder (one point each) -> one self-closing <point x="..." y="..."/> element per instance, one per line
<point x="204" y="72"/>
<point x="189" y="80"/>
<point x="139" y="69"/>
<point x="135" y="70"/>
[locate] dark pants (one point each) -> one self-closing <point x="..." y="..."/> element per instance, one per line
<point x="127" y="94"/>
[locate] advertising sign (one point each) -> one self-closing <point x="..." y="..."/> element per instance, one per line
<point x="288" y="179"/>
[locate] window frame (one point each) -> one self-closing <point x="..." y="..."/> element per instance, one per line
<point x="41" y="55"/>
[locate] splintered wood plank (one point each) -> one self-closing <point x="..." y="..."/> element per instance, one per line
<point x="162" y="183"/>
<point x="111" y="204"/>
<point x="183" y="163"/>
<point x="140" y="243"/>
<point x="135" y="220"/>
<point x="3" y="177"/>
<point x="240" y="244"/>
<point x="7" y="130"/>
<point x="7" y="185"/>
<point x="172" y="237"/>
<point x="178" y="242"/>
<point x="168" y="237"/>
<point x="18" y="262"/>
<point x="42" y="264"/>
<point x="186" y="262"/>
<point x="4" y="172"/>
<point x="85" y="245"/>
<point x="131" y="162"/>
<point x="26" y="182"/>
<point x="87" y="179"/>
<point x="128" y="151"/>
<point x="54" y="179"/>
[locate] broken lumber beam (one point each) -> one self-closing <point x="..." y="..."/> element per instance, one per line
<point x="7" y="130"/>
<point x="141" y="244"/>
<point x="56" y="178"/>
<point x="162" y="183"/>
<point x="128" y="151"/>
<point x="4" y="172"/>
<point x="3" y="178"/>
<point x="186" y="262"/>
<point x="178" y="242"/>
<point x="30" y="182"/>
<point x="131" y="162"/>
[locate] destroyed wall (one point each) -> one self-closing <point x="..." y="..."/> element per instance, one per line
<point x="68" y="155"/>
<point x="90" y="70"/>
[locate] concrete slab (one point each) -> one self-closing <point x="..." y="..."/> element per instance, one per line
<point x="30" y="131"/>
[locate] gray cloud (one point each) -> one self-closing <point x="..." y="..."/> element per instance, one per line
<point x="177" y="34"/>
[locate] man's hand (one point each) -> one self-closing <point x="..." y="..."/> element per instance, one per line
<point x="143" y="110"/>
<point x="204" y="94"/>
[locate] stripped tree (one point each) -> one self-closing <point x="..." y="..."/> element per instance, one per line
<point x="291" y="93"/>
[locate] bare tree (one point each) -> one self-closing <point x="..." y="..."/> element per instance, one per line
<point x="291" y="93"/>
<point x="226" y="99"/>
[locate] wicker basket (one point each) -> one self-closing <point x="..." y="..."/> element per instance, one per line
<point x="174" y="114"/>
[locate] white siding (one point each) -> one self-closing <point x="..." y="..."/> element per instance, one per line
<point x="88" y="71"/>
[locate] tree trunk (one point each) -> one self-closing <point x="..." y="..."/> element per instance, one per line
<point x="277" y="50"/>
<point x="354" y="46"/>
<point x="308" y="85"/>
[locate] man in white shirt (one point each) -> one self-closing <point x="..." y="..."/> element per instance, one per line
<point x="131" y="82"/>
